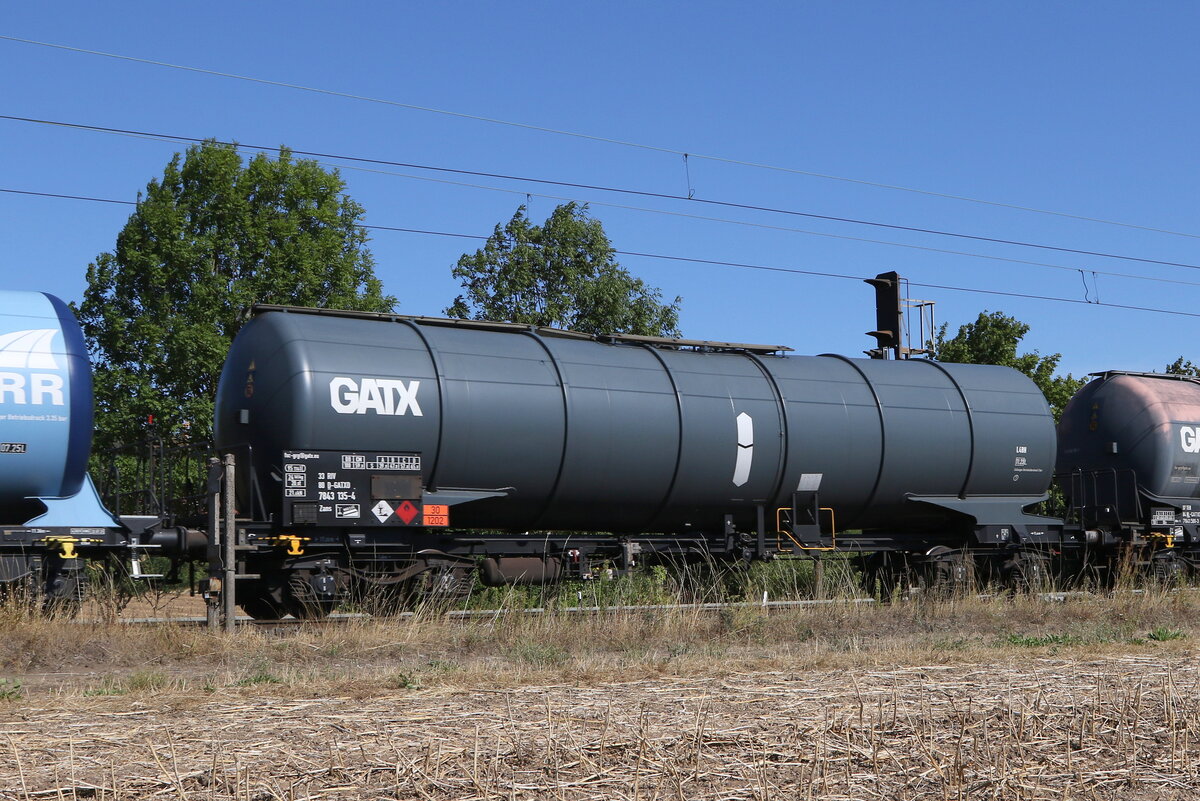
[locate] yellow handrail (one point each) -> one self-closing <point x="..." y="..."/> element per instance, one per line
<point x="780" y="530"/>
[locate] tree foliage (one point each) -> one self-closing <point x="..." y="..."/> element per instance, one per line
<point x="209" y="239"/>
<point x="562" y="274"/>
<point x="1182" y="366"/>
<point x="993" y="339"/>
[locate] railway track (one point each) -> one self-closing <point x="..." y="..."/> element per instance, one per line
<point x="345" y="618"/>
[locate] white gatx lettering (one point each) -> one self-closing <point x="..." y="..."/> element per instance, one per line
<point x="388" y="396"/>
<point x="371" y="398"/>
<point x="340" y="397"/>
<point x="38" y="389"/>
<point x="1189" y="439"/>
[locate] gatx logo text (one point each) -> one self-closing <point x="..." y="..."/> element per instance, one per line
<point x="389" y="396"/>
<point x="1189" y="439"/>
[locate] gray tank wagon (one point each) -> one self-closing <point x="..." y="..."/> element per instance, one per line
<point x="416" y="429"/>
<point x="1129" y="465"/>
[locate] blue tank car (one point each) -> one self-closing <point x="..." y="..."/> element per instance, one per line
<point x="45" y="404"/>
<point x="51" y="514"/>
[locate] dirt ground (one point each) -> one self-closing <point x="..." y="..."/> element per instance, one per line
<point x="1118" y="727"/>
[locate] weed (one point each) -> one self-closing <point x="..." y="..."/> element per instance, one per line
<point x="404" y="681"/>
<point x="637" y="651"/>
<point x="105" y="689"/>
<point x="951" y="644"/>
<point x="1163" y="634"/>
<point x="803" y="633"/>
<point x="259" y="677"/>
<point x="1026" y="641"/>
<point x="538" y="654"/>
<point x="745" y="621"/>
<point x="10" y="690"/>
<point x="146" y="681"/>
<point x="678" y="649"/>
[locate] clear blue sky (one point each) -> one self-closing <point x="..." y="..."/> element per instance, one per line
<point x="1087" y="109"/>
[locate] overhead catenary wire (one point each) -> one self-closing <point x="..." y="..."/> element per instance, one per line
<point x="720" y="263"/>
<point x="722" y="220"/>
<point x="926" y="248"/>
<point x="749" y="224"/>
<point x="843" y="237"/>
<point x="618" y="190"/>
<point x="727" y="221"/>
<point x="599" y="139"/>
<point x="823" y="274"/>
<point x="61" y="196"/>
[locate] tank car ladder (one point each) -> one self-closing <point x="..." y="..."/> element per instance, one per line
<point x="225" y="541"/>
<point x="801" y="525"/>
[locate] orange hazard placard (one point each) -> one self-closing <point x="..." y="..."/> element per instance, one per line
<point x="437" y="514"/>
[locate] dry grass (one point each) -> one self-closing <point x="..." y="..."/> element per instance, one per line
<point x="1005" y="698"/>
<point x="1046" y="728"/>
<point x="67" y="656"/>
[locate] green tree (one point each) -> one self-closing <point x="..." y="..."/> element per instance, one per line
<point x="210" y="238"/>
<point x="1183" y="366"/>
<point x="561" y="274"/>
<point x="993" y="339"/>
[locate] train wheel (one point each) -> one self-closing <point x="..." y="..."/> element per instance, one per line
<point x="1166" y="569"/>
<point x="390" y="601"/>
<point x="870" y="567"/>
<point x="311" y="610"/>
<point x="949" y="573"/>
<point x="302" y="599"/>
<point x="64" y="587"/>
<point x="1027" y="571"/>
<point x="888" y="576"/>
<point x="442" y="584"/>
<point x="263" y="607"/>
<point x="374" y="586"/>
<point x="1087" y="574"/>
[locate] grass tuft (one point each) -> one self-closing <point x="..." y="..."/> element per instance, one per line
<point x="10" y="690"/>
<point x="538" y="654"/>
<point x="259" y="677"/>
<point x="1164" y="634"/>
<point x="1041" y="641"/>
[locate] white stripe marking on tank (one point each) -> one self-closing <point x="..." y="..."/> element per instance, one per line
<point x="28" y="349"/>
<point x="745" y="451"/>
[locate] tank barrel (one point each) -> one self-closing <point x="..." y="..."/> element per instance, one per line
<point x="622" y="433"/>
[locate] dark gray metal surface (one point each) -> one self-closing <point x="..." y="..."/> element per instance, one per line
<point x="1134" y="421"/>
<point x="630" y="436"/>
